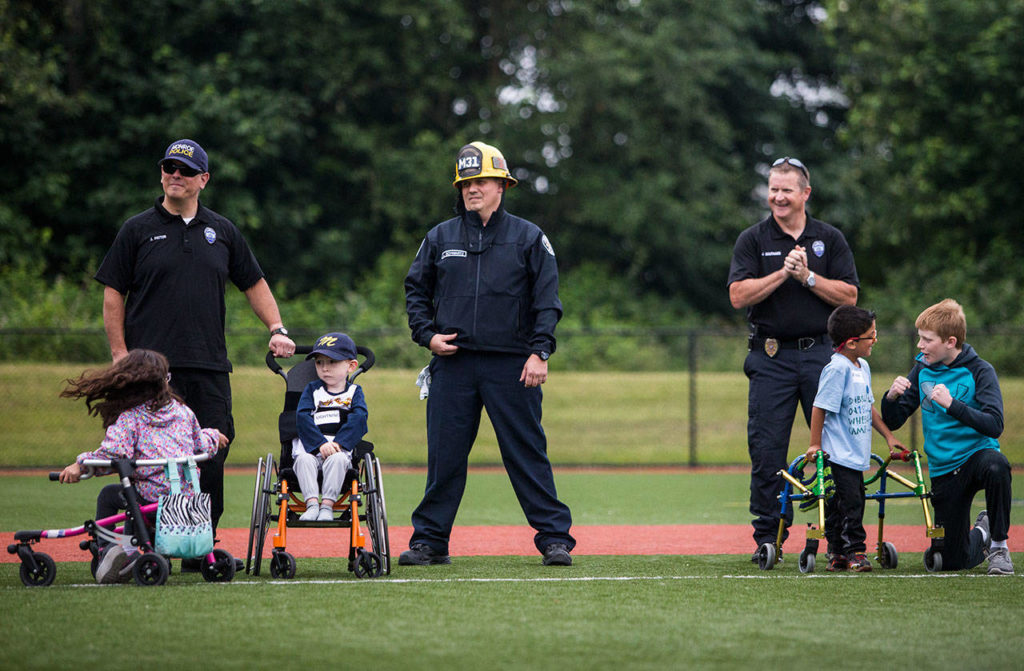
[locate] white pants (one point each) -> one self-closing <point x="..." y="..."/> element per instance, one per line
<point x="334" y="467"/>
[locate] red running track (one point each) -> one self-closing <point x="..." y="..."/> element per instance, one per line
<point x="672" y="539"/>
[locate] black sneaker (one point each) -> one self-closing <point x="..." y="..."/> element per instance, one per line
<point x="557" y="554"/>
<point x="421" y="554"/>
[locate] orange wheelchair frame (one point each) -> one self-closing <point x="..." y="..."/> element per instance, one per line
<point x="361" y="505"/>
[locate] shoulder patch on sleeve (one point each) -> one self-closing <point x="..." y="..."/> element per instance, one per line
<point x="547" y="244"/>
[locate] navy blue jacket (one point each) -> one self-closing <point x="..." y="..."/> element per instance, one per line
<point x="973" y="421"/>
<point x="496" y="286"/>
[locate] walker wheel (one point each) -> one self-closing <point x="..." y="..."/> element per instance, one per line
<point x="888" y="557"/>
<point x="766" y="557"/>
<point x="368" y="565"/>
<point x="221" y="570"/>
<point x="44" y="573"/>
<point x="282" y="566"/>
<point x="151" y="570"/>
<point x="807" y="560"/>
<point x="932" y="560"/>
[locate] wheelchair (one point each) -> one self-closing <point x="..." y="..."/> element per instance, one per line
<point x="277" y="499"/>
<point x="811" y="491"/>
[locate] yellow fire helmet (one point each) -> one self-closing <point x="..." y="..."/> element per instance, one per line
<point x="477" y="159"/>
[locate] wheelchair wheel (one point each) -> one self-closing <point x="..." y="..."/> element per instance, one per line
<point x="376" y="511"/>
<point x="260" y="520"/>
<point x="151" y="570"/>
<point x="221" y="570"/>
<point x="766" y="557"/>
<point x="368" y="565"/>
<point x="888" y="557"/>
<point x="282" y="565"/>
<point x="807" y="561"/>
<point x="42" y="575"/>
<point x="932" y="560"/>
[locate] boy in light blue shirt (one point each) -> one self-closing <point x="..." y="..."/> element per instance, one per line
<point x="841" y="422"/>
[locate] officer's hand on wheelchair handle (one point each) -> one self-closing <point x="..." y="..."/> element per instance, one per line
<point x="281" y="345"/>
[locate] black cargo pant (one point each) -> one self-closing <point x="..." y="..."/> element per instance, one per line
<point x="952" y="495"/>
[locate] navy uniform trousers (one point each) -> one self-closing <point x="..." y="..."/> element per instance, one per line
<point x="208" y="394"/>
<point x="461" y="386"/>
<point x="777" y="385"/>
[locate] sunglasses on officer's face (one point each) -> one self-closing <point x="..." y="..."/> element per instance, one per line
<point x="795" y="162"/>
<point x="170" y="168"/>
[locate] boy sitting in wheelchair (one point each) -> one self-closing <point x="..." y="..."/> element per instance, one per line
<point x="331" y="420"/>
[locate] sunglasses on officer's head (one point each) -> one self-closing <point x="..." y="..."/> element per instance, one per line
<point x="795" y="162"/>
<point x="170" y="168"/>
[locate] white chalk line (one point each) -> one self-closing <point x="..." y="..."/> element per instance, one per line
<point x="565" y="579"/>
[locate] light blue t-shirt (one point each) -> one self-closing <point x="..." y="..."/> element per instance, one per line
<point x="844" y="393"/>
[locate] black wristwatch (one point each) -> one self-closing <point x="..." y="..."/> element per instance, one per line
<point x="542" y="354"/>
<point x="280" y="330"/>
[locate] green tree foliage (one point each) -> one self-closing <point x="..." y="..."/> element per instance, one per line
<point x="935" y="143"/>
<point x="638" y="128"/>
<point x="641" y="126"/>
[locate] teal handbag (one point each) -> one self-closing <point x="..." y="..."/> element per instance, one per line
<point x="183" y="526"/>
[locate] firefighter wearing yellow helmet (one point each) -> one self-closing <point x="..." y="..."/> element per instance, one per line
<point x="476" y="160"/>
<point x="482" y="296"/>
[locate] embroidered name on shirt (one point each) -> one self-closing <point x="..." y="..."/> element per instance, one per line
<point x="771" y="253"/>
<point x="157" y="237"/>
<point x="452" y="252"/>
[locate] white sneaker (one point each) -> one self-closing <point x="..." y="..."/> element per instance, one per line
<point x="326" y="515"/>
<point x="312" y="514"/>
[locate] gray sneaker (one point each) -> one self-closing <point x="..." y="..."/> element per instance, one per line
<point x="112" y="560"/>
<point x="981" y="524"/>
<point x="999" y="562"/>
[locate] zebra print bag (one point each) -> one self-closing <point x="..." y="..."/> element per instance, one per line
<point x="183" y="526"/>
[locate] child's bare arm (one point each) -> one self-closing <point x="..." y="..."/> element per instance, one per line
<point x="895" y="446"/>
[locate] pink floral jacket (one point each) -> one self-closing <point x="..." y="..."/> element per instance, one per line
<point x="139" y="433"/>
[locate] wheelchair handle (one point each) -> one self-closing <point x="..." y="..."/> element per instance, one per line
<point x="90" y="465"/>
<point x="366" y="352"/>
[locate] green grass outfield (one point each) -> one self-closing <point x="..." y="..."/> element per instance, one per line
<point x="617" y="417"/>
<point x="605" y="612"/>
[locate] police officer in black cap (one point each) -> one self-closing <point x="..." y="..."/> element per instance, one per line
<point x="165" y="276"/>
<point x="482" y="296"/>
<point x="789" y="271"/>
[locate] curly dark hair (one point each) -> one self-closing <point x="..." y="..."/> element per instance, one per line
<point x="140" y="377"/>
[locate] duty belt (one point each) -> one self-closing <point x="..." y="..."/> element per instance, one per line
<point x="773" y="345"/>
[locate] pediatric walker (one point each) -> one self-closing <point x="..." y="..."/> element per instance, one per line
<point x="39" y="570"/>
<point x="814" y="488"/>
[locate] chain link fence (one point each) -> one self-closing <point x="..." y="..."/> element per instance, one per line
<point x="696" y="357"/>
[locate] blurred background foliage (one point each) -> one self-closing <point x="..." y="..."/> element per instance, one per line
<point x="640" y="130"/>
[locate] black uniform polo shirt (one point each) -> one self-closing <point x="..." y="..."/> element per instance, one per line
<point x="792" y="310"/>
<point x="174" y="277"/>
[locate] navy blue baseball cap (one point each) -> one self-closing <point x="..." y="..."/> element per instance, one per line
<point x="337" y="346"/>
<point x="188" y="152"/>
